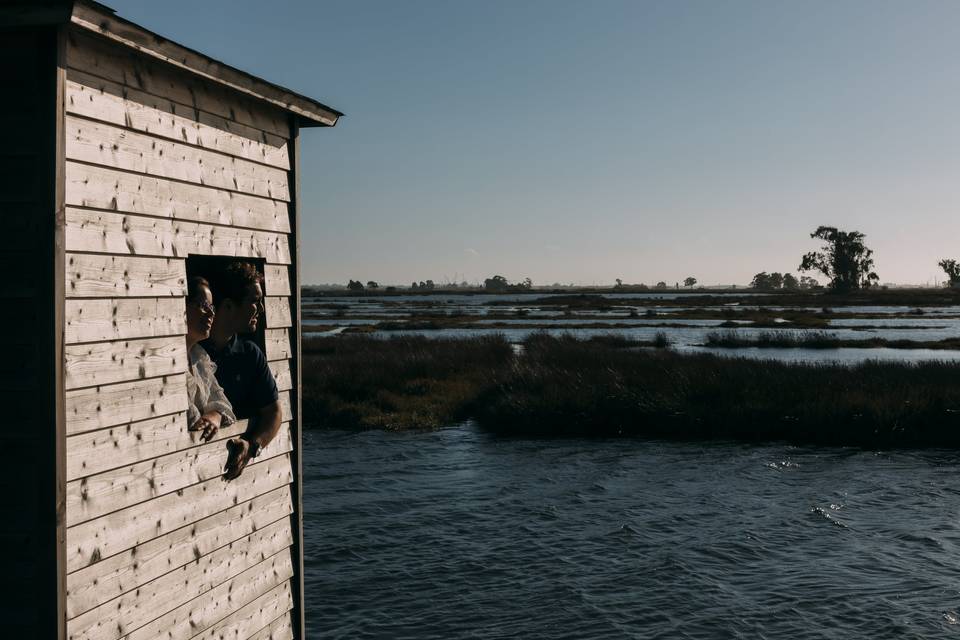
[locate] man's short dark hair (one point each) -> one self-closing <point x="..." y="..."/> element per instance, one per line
<point x="234" y="280"/>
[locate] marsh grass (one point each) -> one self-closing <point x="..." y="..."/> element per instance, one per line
<point x="819" y="340"/>
<point x="613" y="340"/>
<point x="398" y="383"/>
<point x="566" y="388"/>
<point x="605" y="387"/>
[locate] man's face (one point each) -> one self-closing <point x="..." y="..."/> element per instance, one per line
<point x="250" y="309"/>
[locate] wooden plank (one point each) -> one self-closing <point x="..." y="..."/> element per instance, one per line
<point x="103" y="363"/>
<point x="252" y="617"/>
<point x="91" y="541"/>
<point x="279" y="629"/>
<point x="132" y="610"/>
<point x="110" y="146"/>
<point x="97" y="451"/>
<point x="94" y="585"/>
<point x="276" y="277"/>
<point x="110" y="405"/>
<point x="278" y="311"/>
<point x="95" y="57"/>
<point x="99" y="276"/>
<point x="277" y="342"/>
<point x="203" y="612"/>
<point x="108" y="101"/>
<point x="121" y="233"/>
<point x="286" y="405"/>
<point x="281" y="373"/>
<point x="104" y="188"/>
<point x="93" y="496"/>
<point x="93" y="320"/>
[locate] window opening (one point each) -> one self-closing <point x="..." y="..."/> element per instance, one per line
<point x="212" y="268"/>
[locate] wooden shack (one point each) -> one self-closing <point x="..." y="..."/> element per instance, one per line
<point x="125" y="154"/>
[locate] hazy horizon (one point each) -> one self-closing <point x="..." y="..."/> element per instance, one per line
<point x="580" y="143"/>
<point x="554" y="284"/>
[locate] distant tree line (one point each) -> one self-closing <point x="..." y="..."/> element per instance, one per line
<point x="843" y="258"/>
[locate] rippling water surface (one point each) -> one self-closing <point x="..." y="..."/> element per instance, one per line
<point x="456" y="534"/>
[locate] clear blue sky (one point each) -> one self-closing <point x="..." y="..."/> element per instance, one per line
<point x="587" y="141"/>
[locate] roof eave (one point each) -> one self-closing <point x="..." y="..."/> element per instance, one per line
<point x="103" y="21"/>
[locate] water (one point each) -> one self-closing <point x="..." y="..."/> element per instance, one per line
<point x="691" y="339"/>
<point x="685" y="336"/>
<point x="456" y="534"/>
<point x="482" y="304"/>
<point x="688" y="334"/>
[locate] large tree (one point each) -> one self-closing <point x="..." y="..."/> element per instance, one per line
<point x="496" y="284"/>
<point x="761" y="281"/>
<point x="952" y="269"/>
<point x="843" y="258"/>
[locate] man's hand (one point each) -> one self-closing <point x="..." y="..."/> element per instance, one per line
<point x="209" y="424"/>
<point x="237" y="459"/>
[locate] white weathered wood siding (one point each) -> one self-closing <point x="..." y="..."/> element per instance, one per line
<point x="159" y="165"/>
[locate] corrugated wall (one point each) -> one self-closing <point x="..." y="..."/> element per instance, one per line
<point x="160" y="165"/>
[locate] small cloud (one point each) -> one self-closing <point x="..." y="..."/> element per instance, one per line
<point x="472" y="252"/>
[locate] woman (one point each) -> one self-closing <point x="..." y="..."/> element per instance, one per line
<point x="209" y="408"/>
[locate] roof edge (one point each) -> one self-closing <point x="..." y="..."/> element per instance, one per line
<point x="103" y="21"/>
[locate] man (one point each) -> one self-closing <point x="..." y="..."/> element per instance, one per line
<point x="242" y="368"/>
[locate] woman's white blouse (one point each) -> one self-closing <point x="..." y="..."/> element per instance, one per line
<point x="203" y="390"/>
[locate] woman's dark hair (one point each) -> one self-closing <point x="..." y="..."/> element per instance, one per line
<point x="234" y="280"/>
<point x="193" y="287"/>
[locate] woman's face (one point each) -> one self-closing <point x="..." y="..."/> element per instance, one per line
<point x="200" y="315"/>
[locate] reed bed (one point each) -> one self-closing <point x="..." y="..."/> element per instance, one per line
<point x="819" y="340"/>
<point x="558" y="386"/>
<point x="562" y="387"/>
<point x="403" y="382"/>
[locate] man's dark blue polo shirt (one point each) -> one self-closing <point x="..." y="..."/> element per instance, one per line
<point x="243" y="373"/>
